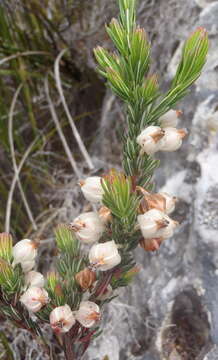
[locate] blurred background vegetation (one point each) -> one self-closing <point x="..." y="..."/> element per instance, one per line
<point x="32" y="35"/>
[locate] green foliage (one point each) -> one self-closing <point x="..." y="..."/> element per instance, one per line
<point x="193" y="58"/>
<point x="6" y="247"/>
<point x="128" y="78"/>
<point x="5" y="343"/>
<point x="124" y="277"/>
<point x="120" y="198"/>
<point x="63" y="287"/>
<point x="66" y="241"/>
<point x="11" y="279"/>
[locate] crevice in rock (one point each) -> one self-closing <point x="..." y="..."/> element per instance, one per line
<point x="189" y="330"/>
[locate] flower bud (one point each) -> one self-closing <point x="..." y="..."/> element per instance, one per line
<point x="156" y="224"/>
<point x="172" y="139"/>
<point x="104" y="256"/>
<point x="149" y="139"/>
<point x="62" y="319"/>
<point x="105" y="214"/>
<point x="34" y="298"/>
<point x="88" y="314"/>
<point x="34" y="278"/>
<point x="85" y="278"/>
<point x="92" y="189"/>
<point x="151" y="244"/>
<point x="25" y="252"/>
<point x="88" y="227"/>
<point x="170" y="119"/>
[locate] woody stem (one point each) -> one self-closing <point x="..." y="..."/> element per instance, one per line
<point x="69" y="340"/>
<point x="68" y="348"/>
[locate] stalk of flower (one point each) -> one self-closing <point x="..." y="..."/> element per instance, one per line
<point x="106" y="294"/>
<point x="88" y="227"/>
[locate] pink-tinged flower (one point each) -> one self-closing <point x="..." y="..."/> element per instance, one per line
<point x="34" y="298"/>
<point x="104" y="256"/>
<point x="62" y="319"/>
<point x="88" y="314"/>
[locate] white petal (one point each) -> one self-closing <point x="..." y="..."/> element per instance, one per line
<point x="170" y="119"/>
<point x="34" y="278"/>
<point x="92" y="189"/>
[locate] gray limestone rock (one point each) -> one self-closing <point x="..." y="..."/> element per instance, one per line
<point x="171" y="312"/>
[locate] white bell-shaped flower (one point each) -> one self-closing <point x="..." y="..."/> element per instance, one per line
<point x="92" y="189"/>
<point x="34" y="278"/>
<point x="88" y="227"/>
<point x="34" y="298"/>
<point x="172" y="139"/>
<point x="170" y="119"/>
<point x="156" y="224"/>
<point x="62" y="319"/>
<point x="149" y="139"/>
<point x="25" y="252"/>
<point x="170" y="202"/>
<point x="88" y="314"/>
<point x="104" y="256"/>
<point x="27" y="265"/>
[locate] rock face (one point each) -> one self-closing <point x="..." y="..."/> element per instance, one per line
<point x="171" y="312"/>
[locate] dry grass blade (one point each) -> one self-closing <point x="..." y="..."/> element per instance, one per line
<point x="71" y="121"/>
<point x="26" y="53"/>
<point x="60" y="132"/>
<point x="13" y="184"/>
<point x="11" y="143"/>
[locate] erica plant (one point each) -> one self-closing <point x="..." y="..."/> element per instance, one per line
<point x="72" y="297"/>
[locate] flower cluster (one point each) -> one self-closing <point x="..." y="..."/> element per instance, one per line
<point x="34" y="295"/>
<point x="165" y="137"/>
